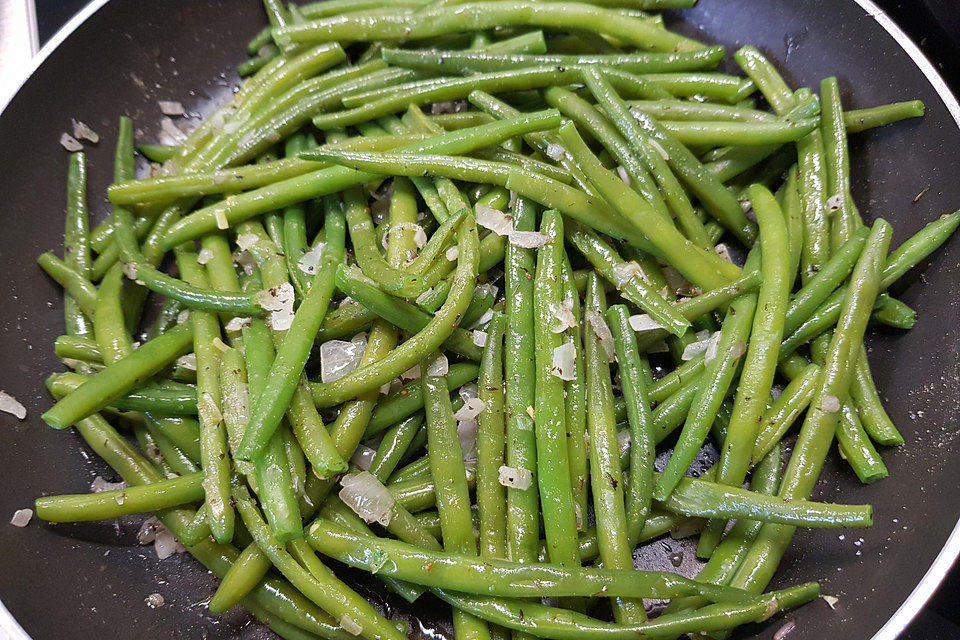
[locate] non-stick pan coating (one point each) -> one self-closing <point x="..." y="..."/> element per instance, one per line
<point x="82" y="581"/>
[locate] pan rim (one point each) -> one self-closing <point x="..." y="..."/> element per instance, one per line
<point x="950" y="551"/>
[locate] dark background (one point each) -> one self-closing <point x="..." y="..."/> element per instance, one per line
<point x="932" y="24"/>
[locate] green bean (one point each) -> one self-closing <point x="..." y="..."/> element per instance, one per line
<point x="435" y="333"/>
<point x="614" y="541"/>
<point x="244" y="574"/>
<point x="714" y="197"/>
<point x="214" y="451"/>
<point x="491" y="495"/>
<point x="766" y="77"/>
<point x="784" y="411"/>
<point x="875" y="420"/>
<point x="404" y="315"/>
<point x="633" y="367"/>
<point x="523" y="521"/>
<point x="113" y="504"/>
<point x="856" y="447"/>
<point x="450" y="478"/>
<point x="311" y="185"/>
<point x="547" y="622"/>
<point x="553" y="470"/>
<point x="287" y="370"/>
<point x="819" y="426"/>
<point x="858" y="120"/>
<point x="119" y="378"/>
<point x="78" y="287"/>
<point x="274" y="481"/>
<point x="717" y="376"/>
<point x="158" y="152"/>
<point x="314" y="10"/>
<point x="321" y="586"/>
<point x="264" y="55"/>
<point x="395" y="444"/>
<point x="820" y="322"/>
<point x="760" y="362"/>
<point x="691" y="111"/>
<point x="458" y="61"/>
<point x="403" y="402"/>
<point x="575" y="402"/>
<point x="109" y="324"/>
<point x="739" y="133"/>
<point x="77" y="347"/>
<point x="76" y="240"/>
<point x="705" y="269"/>
<point x="498" y="577"/>
<point x="703" y="85"/>
<point x="176" y="402"/>
<point x="485" y="15"/>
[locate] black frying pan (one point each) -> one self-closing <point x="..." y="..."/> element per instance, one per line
<point x="89" y="580"/>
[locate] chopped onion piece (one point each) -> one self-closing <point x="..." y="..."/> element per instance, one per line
<point x="11" y="405"/>
<point x="350" y="625"/>
<point x="245" y="261"/>
<point x="339" y="357"/>
<point x="70" y="143"/>
<point x="452" y="253"/>
<point x="188" y="361"/>
<point x="694" y="349"/>
<point x="723" y="251"/>
<point x="467" y="435"/>
<point x="487" y="289"/>
<point x="309" y="262"/>
<point x="412" y="373"/>
<point x="785" y="630"/>
<point x="563" y="317"/>
<point x="513" y="200"/>
<point x="494" y="219"/>
<point x="712" y="346"/>
<point x="834" y="203"/>
<point x="624" y="272"/>
<point x="170" y="133"/>
<point x="530" y="239"/>
<point x="237" y="324"/>
<point x="183" y="316"/>
<point x="247" y="241"/>
<point x="830" y="404"/>
<point x="451" y="106"/>
<point x="438" y="367"/>
<point x="480" y="338"/>
<point x="532" y="413"/>
<point x="221" y="218"/>
<point x="603" y="333"/>
<point x="643" y="322"/>
<point x="171" y="107"/>
<point x="656" y="145"/>
<point x="21" y="517"/>
<point x="368" y="498"/>
<point x="470" y="409"/>
<point x="831" y="601"/>
<point x="204" y="256"/>
<point x="164" y="544"/>
<point x="563" y="361"/>
<point x="556" y="151"/>
<point x="83" y="132"/>
<point x="99" y="485"/>
<point x="515" y="478"/>
<point x="468" y="391"/>
<point x="363" y="457"/>
<point x="130" y="270"/>
<point x="279" y="302"/>
<point x="623" y="175"/>
<point x="483" y="320"/>
<point x="623" y="441"/>
<point x="154" y="600"/>
<point x="148" y="531"/>
<point x="737" y="349"/>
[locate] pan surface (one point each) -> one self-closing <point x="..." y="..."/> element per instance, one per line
<point x="78" y="581"/>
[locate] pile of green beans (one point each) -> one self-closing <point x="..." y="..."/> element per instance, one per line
<point x="449" y="273"/>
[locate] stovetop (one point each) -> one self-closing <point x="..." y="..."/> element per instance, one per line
<point x="935" y="26"/>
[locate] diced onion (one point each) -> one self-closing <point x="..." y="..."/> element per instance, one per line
<point x="363" y="457"/>
<point x="834" y="203"/>
<point x="623" y="175"/>
<point x="170" y="107"/>
<point x="694" y="349"/>
<point x="480" y="338"/>
<point x="556" y="151"/>
<point x="438" y="367"/>
<point x="279" y="302"/>
<point x="623" y="441"/>
<point x="467" y="435"/>
<point x="603" y="333"/>
<point x="483" y="320"/>
<point x="70" y="143"/>
<point x="470" y="409"/>
<point x="221" y="218"/>
<point x="247" y="241"/>
<point x="724" y="252"/>
<point x="468" y="391"/>
<point x="148" y="531"/>
<point x="204" y="256"/>
<point x="737" y="349"/>
<point x="154" y="600"/>
<point x="452" y="253"/>
<point x="785" y="630"/>
<point x="711" y="351"/>
<point x="99" y="485"/>
<point x="11" y="405"/>
<point x="656" y="145"/>
<point x="831" y="601"/>
<point x="340" y="357"/>
<point x="21" y="517"/>
<point x="494" y="219"/>
<point x="351" y="626"/>
<point x="515" y="478"/>
<point x="83" y="132"/>
<point x="830" y="404"/>
<point x="412" y="373"/>
<point x="624" y="272"/>
<point x="310" y="261"/>
<point x="130" y="270"/>
<point x="368" y="498"/>
<point x="170" y="133"/>
<point x="188" y="361"/>
<point x="208" y="410"/>
<point x="563" y="361"/>
<point x="563" y="317"/>
<point x="643" y="322"/>
<point x="237" y="324"/>
<point x="530" y="239"/>
<point x="164" y="544"/>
